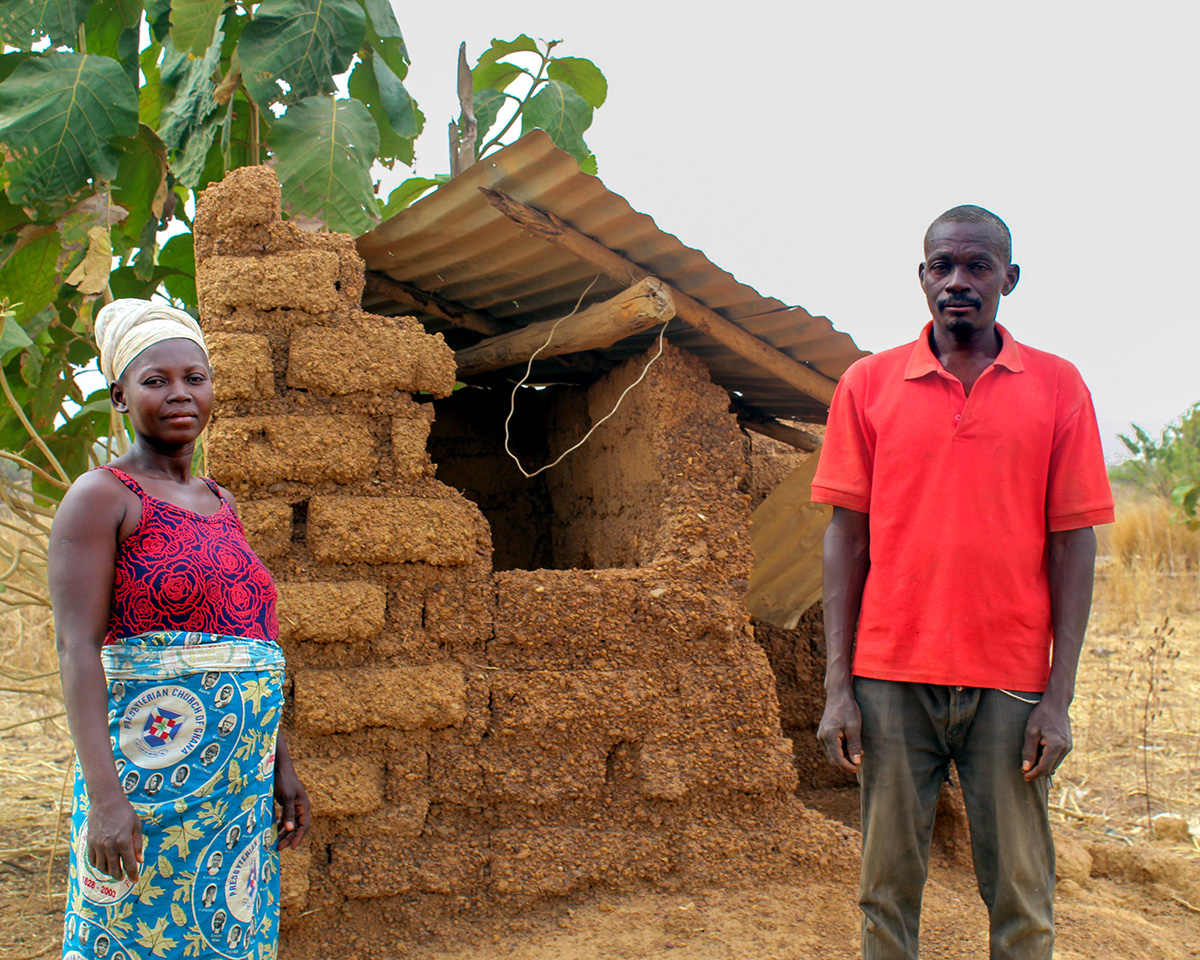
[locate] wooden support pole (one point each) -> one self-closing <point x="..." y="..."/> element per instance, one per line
<point x="643" y="305"/>
<point x="793" y="437"/>
<point x="414" y="298"/>
<point x="556" y="231"/>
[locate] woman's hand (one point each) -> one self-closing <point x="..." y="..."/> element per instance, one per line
<point x="114" y="838"/>
<point x="294" y="808"/>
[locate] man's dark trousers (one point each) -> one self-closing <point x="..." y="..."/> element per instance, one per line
<point x="910" y="733"/>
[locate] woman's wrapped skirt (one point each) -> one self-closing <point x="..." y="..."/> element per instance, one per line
<point x="192" y="720"/>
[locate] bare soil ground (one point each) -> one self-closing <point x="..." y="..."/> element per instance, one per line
<point x="1130" y="885"/>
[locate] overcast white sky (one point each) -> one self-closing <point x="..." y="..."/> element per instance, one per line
<point x="805" y="147"/>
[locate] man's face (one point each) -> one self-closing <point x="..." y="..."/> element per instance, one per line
<point x="964" y="276"/>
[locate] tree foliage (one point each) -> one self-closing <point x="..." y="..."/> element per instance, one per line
<point x="1168" y="466"/>
<point x="114" y="113"/>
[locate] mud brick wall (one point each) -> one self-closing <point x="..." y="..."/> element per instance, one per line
<point x="476" y="740"/>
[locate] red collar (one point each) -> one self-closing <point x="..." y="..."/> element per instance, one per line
<point x="922" y="360"/>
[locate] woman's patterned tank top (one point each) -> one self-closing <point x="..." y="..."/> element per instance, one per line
<point x="180" y="570"/>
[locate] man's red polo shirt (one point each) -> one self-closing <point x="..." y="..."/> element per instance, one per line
<point x="962" y="493"/>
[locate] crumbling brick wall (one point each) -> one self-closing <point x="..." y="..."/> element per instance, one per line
<point x="475" y="739"/>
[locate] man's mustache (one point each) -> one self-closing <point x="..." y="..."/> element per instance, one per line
<point x="944" y="302"/>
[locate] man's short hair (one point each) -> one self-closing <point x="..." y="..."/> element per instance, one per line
<point x="969" y="213"/>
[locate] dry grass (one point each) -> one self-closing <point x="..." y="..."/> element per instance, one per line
<point x="1137" y="708"/>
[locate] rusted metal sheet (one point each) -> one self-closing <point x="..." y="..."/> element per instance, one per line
<point x="786" y="533"/>
<point x="456" y="245"/>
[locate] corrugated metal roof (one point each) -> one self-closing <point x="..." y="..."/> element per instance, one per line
<point x="454" y="244"/>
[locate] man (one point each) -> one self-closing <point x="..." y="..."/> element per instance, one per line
<point x="965" y="473"/>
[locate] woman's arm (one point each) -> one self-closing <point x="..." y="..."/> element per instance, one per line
<point x="83" y="550"/>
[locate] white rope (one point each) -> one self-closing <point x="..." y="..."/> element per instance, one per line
<point x="1009" y="693"/>
<point x="512" y="404"/>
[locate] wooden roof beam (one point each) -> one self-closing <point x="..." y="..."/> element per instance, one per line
<point x="556" y="231"/>
<point x="414" y="298"/>
<point x="642" y="306"/>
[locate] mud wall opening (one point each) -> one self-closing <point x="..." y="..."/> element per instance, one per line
<point x="601" y="508"/>
<point x="467" y="444"/>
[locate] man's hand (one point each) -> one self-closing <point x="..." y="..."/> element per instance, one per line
<point x="114" y="838"/>
<point x="1047" y="740"/>
<point x="841" y="732"/>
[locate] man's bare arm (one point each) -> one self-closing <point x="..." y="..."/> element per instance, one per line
<point x="847" y="558"/>
<point x="1072" y="568"/>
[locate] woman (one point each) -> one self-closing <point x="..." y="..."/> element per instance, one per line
<point x="161" y="607"/>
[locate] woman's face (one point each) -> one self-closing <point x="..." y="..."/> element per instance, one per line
<point x="167" y="392"/>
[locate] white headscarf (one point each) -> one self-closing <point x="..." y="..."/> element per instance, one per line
<point x="124" y="328"/>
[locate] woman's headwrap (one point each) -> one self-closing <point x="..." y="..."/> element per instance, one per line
<point x="124" y="328"/>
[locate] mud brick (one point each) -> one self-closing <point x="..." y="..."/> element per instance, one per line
<point x="247" y="197"/>
<point x="403" y="698"/>
<point x="302" y="280"/>
<point x="393" y="530"/>
<point x="402" y="819"/>
<point x="293" y="865"/>
<point x="537" y="862"/>
<point x="266" y="450"/>
<point x="268" y="526"/>
<point x="242" y="366"/>
<point x="407" y="772"/>
<point x="409" y="437"/>
<point x="576" y="619"/>
<point x="460" y="612"/>
<point x="542" y="770"/>
<point x="379" y="867"/>
<point x="455" y="773"/>
<point x="611" y="704"/>
<point x="680" y="763"/>
<point x="376" y="355"/>
<point x="330" y="612"/>
<point x="342" y="786"/>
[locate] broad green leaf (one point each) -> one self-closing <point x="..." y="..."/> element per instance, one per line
<point x="487" y="107"/>
<point x="490" y="72"/>
<point x="10" y="61"/>
<point x="563" y="114"/>
<point x="193" y="102"/>
<point x="59" y="115"/>
<point x="31" y="277"/>
<point x="24" y="22"/>
<point x="125" y="282"/>
<point x="158" y="16"/>
<point x="179" y="255"/>
<point x="193" y="23"/>
<point x="153" y="95"/>
<point x="409" y="192"/>
<point x="383" y="36"/>
<point x="324" y="149"/>
<point x="141" y="184"/>
<point x="395" y="112"/>
<point x="402" y="113"/>
<point x="31" y="367"/>
<point x="582" y="75"/>
<point x="233" y="149"/>
<point x="301" y="42"/>
<point x="12" y="219"/>
<point x="12" y="337"/>
<point x="189" y="165"/>
<point x="112" y="31"/>
<point x="497" y="76"/>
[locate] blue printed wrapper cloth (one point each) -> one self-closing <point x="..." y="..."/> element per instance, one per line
<point x="192" y="720"/>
